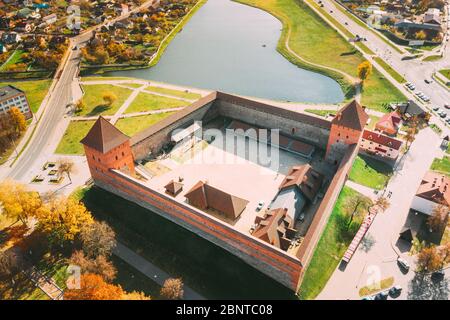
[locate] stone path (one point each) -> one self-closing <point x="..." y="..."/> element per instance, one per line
<point x="150" y="270"/>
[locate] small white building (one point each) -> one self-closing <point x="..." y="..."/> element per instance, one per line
<point x="433" y="190"/>
<point x="380" y="145"/>
<point x="50" y="19"/>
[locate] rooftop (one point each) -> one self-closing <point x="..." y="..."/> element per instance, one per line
<point x="351" y="116"/>
<point x="435" y="187"/>
<point x="7" y="92"/>
<point x="104" y="136"/>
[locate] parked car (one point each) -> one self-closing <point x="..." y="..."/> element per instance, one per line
<point x="260" y="206"/>
<point x="447" y="106"/>
<point x="443" y="115"/>
<point x="382" y="295"/>
<point x="368" y="298"/>
<point x="436" y="108"/>
<point x="428" y="81"/>
<point x="403" y="264"/>
<point x="395" y="291"/>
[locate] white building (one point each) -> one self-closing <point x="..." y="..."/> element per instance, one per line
<point x="13" y="97"/>
<point x="433" y="190"/>
<point x="380" y="145"/>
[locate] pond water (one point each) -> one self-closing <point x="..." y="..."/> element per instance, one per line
<point x="232" y="47"/>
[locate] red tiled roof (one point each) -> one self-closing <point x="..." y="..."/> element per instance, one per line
<point x="204" y="196"/>
<point x="389" y="121"/>
<point x="173" y="187"/>
<point x="305" y="178"/>
<point x="435" y="187"/>
<point x="104" y="136"/>
<point x="351" y="116"/>
<point x="272" y="229"/>
<point x="382" y="139"/>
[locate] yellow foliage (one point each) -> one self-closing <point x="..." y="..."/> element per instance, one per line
<point x="65" y="216"/>
<point x="18" y="202"/>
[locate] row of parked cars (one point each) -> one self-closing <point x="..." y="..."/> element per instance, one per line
<point x="418" y="94"/>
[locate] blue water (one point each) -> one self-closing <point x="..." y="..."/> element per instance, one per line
<point x="232" y="47"/>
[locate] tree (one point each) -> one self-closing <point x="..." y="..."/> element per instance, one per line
<point x="66" y="166"/>
<point x="18" y="202"/>
<point x="93" y="287"/>
<point x="445" y="253"/>
<point x="438" y="218"/>
<point x="98" y="239"/>
<point x="382" y="203"/>
<point x="420" y="35"/>
<point x="135" y="295"/>
<point x="63" y="218"/>
<point x="80" y="106"/>
<point x="99" y="265"/>
<point x="18" y="119"/>
<point x="355" y="205"/>
<point x="10" y="263"/>
<point x="410" y="135"/>
<point x="364" y="70"/>
<point x="428" y="260"/>
<point x="109" y="98"/>
<point x="172" y="289"/>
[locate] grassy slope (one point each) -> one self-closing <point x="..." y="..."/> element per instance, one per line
<point x="445" y="73"/>
<point x="70" y="142"/>
<point x="369" y="172"/>
<point x="331" y="247"/>
<point x="133" y="125"/>
<point x="176" y="93"/>
<point x="312" y="38"/>
<point x="94" y="101"/>
<point x="35" y="90"/>
<point x="147" y="102"/>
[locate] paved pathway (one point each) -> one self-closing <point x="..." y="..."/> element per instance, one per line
<point x="150" y="270"/>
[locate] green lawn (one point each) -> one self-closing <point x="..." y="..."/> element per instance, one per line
<point x="369" y="172"/>
<point x="441" y="165"/>
<point x="312" y="38"/>
<point x="14" y="59"/>
<point x="93" y="98"/>
<point x="432" y="58"/>
<point x="378" y="91"/>
<point x="132" y="85"/>
<point x="331" y="247"/>
<point x="322" y="113"/>
<point x="148" y="102"/>
<point x="176" y="93"/>
<point x="179" y="252"/>
<point x="99" y="78"/>
<point x="133" y="125"/>
<point x="445" y="73"/>
<point x="398" y="77"/>
<point x="70" y="142"/>
<point x="35" y="91"/>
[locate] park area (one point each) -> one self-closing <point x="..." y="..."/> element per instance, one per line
<point x="336" y="237"/>
<point x="370" y="172"/>
<point x="149" y="102"/>
<point x="94" y="101"/>
<point x="441" y="165"/>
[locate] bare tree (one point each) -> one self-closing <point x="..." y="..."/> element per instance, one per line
<point x="383" y="203"/>
<point x="98" y="239"/>
<point x="438" y="218"/>
<point x="66" y="166"/>
<point x="355" y="205"/>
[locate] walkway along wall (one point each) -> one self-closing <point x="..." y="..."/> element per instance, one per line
<point x="270" y="260"/>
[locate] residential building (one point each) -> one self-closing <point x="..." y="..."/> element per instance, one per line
<point x="13" y="97"/>
<point x="432" y="16"/>
<point x="380" y="145"/>
<point x="389" y="123"/>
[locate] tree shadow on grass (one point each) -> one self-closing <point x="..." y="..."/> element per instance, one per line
<point x="422" y="287"/>
<point x="98" y="109"/>
<point x="348" y="53"/>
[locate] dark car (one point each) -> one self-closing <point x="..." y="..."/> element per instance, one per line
<point x="395" y="291"/>
<point x="383" y="295"/>
<point x="438" y="275"/>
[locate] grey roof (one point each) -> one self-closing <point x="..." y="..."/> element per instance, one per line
<point x="9" y="91"/>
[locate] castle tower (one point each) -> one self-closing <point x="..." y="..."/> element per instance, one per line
<point x="106" y="147"/>
<point x="346" y="129"/>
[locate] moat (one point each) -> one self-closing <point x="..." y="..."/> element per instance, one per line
<point x="232" y="47"/>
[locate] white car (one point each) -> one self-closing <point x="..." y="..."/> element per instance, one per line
<point x="260" y="206"/>
<point x="403" y="263"/>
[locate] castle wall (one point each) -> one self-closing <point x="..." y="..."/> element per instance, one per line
<point x="315" y="132"/>
<point x="270" y="260"/>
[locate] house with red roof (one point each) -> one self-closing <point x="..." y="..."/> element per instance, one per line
<point x="433" y="190"/>
<point x="389" y="123"/>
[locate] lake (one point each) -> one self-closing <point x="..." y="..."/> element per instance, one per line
<point x="232" y="47"/>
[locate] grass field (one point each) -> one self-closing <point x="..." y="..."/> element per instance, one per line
<point x="180" y="252"/>
<point x="35" y="91"/>
<point x="312" y="38"/>
<point x="398" y="77"/>
<point x="93" y="98"/>
<point x="432" y="58"/>
<point x="176" y="93"/>
<point x="322" y="113"/>
<point x="70" y="142"/>
<point x="133" y="125"/>
<point x="15" y="58"/>
<point x="331" y="247"/>
<point x="370" y="173"/>
<point x="148" y="102"/>
<point x="441" y="165"/>
<point x="376" y="287"/>
<point x="132" y="85"/>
